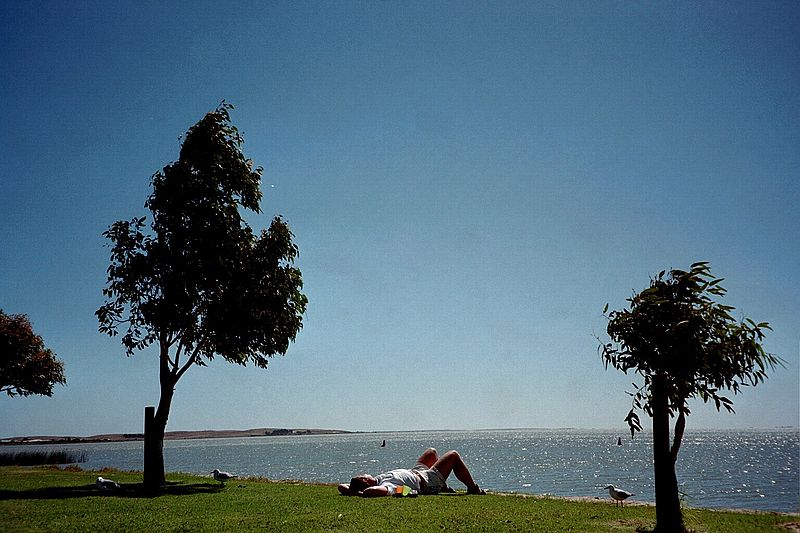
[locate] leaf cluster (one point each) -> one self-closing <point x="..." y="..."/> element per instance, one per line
<point x="26" y="365"/>
<point x="677" y="333"/>
<point x="198" y="280"/>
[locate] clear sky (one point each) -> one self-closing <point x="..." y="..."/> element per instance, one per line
<point x="468" y="183"/>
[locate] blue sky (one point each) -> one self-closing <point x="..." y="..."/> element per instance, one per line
<point x="468" y="183"/>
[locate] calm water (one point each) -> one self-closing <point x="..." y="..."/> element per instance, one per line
<point x="716" y="469"/>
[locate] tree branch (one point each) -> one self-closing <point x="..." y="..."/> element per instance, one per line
<point x="177" y="361"/>
<point x="680" y="426"/>
<point x="164" y="362"/>
<point x="192" y="360"/>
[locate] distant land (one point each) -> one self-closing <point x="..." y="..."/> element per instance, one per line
<point x="170" y="435"/>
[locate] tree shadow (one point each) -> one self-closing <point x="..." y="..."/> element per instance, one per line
<point x="127" y="490"/>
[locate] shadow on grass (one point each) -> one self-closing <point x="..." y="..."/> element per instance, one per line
<point x="127" y="490"/>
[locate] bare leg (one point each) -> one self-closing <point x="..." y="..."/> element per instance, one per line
<point x="452" y="462"/>
<point x="428" y="457"/>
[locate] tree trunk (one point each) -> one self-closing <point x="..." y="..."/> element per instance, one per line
<point x="154" y="471"/>
<point x="669" y="518"/>
<point x="155" y="474"/>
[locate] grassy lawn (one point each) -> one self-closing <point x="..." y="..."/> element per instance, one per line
<point x="48" y="499"/>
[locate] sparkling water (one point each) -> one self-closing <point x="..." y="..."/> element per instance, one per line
<point x="751" y="469"/>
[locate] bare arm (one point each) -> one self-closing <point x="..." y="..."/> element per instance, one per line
<point x="373" y="492"/>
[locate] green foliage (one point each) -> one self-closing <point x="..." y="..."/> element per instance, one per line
<point x="57" y="500"/>
<point x="676" y="333"/>
<point x="26" y="365"/>
<point x="200" y="283"/>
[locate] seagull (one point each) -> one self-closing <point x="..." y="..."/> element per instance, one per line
<point x="222" y="477"/>
<point x="106" y="484"/>
<point x="618" y="495"/>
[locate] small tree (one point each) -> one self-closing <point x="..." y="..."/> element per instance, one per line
<point x="26" y="366"/>
<point x="200" y="284"/>
<point x="684" y="345"/>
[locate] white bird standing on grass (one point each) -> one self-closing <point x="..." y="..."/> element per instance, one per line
<point x="222" y="477"/>
<point x="106" y="484"/>
<point x="618" y="495"/>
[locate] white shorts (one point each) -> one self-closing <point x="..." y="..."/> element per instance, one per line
<point x="433" y="482"/>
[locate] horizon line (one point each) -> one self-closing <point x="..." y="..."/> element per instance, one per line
<point x="377" y="431"/>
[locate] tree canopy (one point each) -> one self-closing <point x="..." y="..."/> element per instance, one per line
<point x="675" y="331"/>
<point x="26" y="365"/>
<point x="200" y="281"/>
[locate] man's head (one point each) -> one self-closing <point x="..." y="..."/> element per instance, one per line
<point x="359" y="483"/>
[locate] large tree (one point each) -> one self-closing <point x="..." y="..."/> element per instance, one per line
<point x="26" y="365"/>
<point x="199" y="283"/>
<point x="684" y="344"/>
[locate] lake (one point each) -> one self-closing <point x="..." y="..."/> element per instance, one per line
<point x="753" y="469"/>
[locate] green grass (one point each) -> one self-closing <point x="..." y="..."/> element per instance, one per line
<point x="50" y="499"/>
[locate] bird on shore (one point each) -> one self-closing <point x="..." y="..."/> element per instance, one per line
<point x="222" y="477"/>
<point x="106" y="484"/>
<point x="618" y="495"/>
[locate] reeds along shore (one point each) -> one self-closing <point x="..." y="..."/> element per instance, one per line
<point x="61" y="457"/>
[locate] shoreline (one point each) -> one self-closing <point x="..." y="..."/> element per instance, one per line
<point x="601" y="500"/>
<point x="169" y="435"/>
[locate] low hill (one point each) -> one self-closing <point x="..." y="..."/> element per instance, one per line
<point x="170" y="435"/>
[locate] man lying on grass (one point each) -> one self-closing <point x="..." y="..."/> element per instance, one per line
<point x="429" y="476"/>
